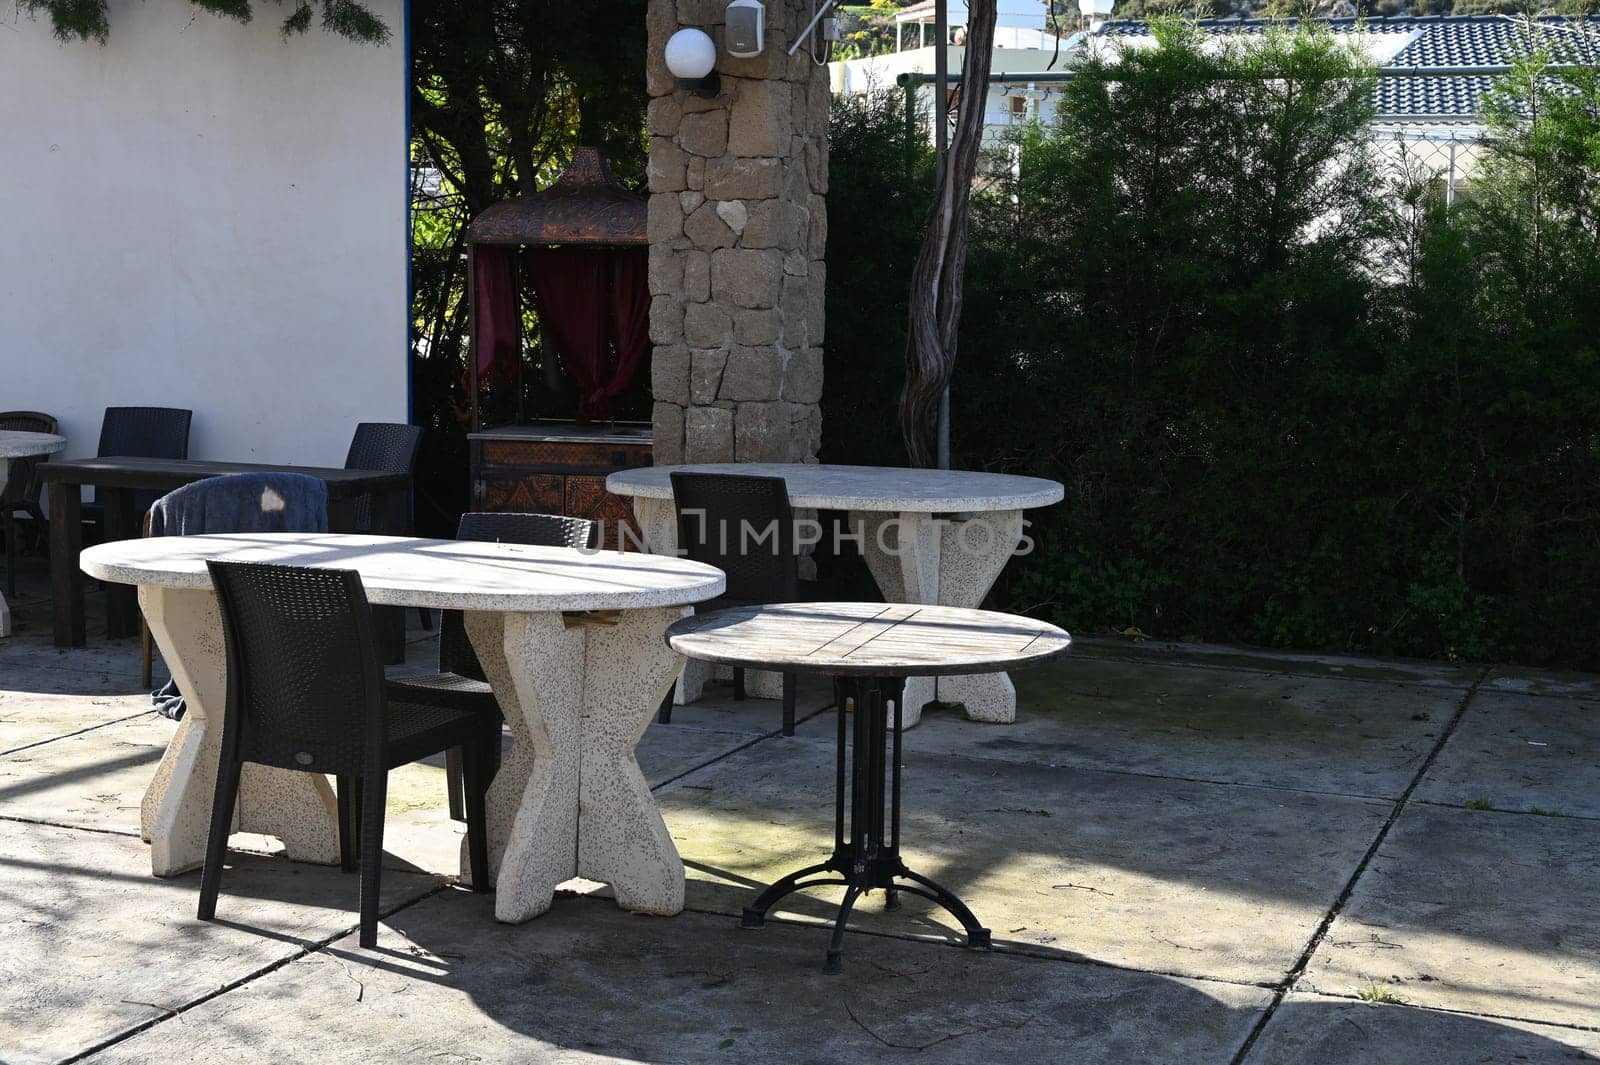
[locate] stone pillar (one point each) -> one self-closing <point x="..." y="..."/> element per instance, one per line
<point x="738" y="223"/>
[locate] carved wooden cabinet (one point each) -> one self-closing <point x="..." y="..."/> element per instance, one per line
<point x="557" y="468"/>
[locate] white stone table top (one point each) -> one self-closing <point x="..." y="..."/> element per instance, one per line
<point x="445" y="574"/>
<point x="875" y="639"/>
<point x="864" y="488"/>
<point x="17" y="445"/>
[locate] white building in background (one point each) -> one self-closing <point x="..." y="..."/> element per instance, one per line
<point x="1431" y="122"/>
<point x="204" y="214"/>
<point x="1023" y="43"/>
<point x="1020" y="25"/>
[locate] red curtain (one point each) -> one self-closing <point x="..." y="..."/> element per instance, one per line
<point x="569" y="288"/>
<point x="630" y="316"/>
<point x="498" y="342"/>
<point x="594" y="305"/>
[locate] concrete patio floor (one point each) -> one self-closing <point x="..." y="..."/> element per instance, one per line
<point x="1187" y="854"/>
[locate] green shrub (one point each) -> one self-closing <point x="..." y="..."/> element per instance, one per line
<point x="879" y="186"/>
<point x="1293" y="402"/>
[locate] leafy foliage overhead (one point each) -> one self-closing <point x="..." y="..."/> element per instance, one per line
<point x="89" y="19"/>
<point x="503" y="90"/>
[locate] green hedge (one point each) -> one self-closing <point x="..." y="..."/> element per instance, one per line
<point x="1294" y="400"/>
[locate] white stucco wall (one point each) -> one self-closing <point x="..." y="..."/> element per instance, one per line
<point x="203" y="214"/>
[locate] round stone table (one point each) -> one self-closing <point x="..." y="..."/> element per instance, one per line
<point x="572" y="643"/>
<point x="938" y="537"/>
<point x="16" y="445"/>
<point x="869" y="649"/>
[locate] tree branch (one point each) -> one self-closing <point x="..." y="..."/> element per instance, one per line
<point x="939" y="273"/>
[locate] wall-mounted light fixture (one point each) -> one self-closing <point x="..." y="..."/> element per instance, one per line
<point x="691" y="57"/>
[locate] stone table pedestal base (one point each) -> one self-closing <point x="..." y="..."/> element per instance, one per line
<point x="943" y="561"/>
<point x="570" y="800"/>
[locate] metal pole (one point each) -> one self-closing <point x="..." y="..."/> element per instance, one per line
<point x="472" y="328"/>
<point x="941" y="136"/>
<point x="911" y="132"/>
<point x="1450" y="181"/>
<point x="805" y="35"/>
<point x="941" y="74"/>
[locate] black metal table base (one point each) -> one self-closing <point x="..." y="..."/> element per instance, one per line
<point x="870" y="858"/>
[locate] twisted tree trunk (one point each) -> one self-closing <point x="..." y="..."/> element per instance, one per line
<point x="937" y="277"/>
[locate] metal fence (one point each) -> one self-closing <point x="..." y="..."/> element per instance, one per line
<point x="1443" y="156"/>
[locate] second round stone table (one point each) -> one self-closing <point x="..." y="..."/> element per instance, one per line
<point x="936" y="537"/>
<point x="20" y="445"/>
<point x="572" y="643"/>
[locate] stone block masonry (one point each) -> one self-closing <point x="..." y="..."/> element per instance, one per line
<point x="738" y="227"/>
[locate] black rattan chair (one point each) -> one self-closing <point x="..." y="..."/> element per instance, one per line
<point x="144" y="433"/>
<point x="392" y="448"/>
<point x="306" y="693"/>
<point x="22" y="487"/>
<point x="460" y="683"/>
<point x="387" y="446"/>
<point x="745" y="527"/>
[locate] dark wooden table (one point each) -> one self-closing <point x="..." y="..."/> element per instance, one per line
<point x="118" y="478"/>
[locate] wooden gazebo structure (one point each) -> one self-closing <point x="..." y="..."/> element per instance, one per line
<point x="586" y="208"/>
<point x="586" y="239"/>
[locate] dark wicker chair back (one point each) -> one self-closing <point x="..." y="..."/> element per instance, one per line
<point x="305" y="685"/>
<point x="145" y="433"/>
<point x="745" y="527"/>
<point x="387" y="446"/>
<point x="22" y="486"/>
<point x="541" y="530"/>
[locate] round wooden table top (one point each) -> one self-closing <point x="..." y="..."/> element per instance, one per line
<point x="15" y="444"/>
<point x="446" y="574"/>
<point x="872" y="639"/>
<point x="864" y="488"/>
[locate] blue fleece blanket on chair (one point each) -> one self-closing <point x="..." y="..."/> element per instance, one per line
<point x="237" y="503"/>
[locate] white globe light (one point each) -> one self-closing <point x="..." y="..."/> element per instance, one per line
<point x="1095" y="7"/>
<point x="691" y="54"/>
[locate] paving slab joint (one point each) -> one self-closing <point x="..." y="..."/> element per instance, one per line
<point x="800" y="718"/>
<point x="75" y="732"/>
<point x="314" y="947"/>
<point x="42" y="823"/>
<point x="1293" y="976"/>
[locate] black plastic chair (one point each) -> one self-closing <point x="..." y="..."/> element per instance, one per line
<point x="392" y="448"/>
<point x="144" y="433"/>
<point x="745" y="527"/>
<point x="22" y="487"/>
<point x="387" y="446"/>
<point x="306" y="693"/>
<point x="460" y="683"/>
